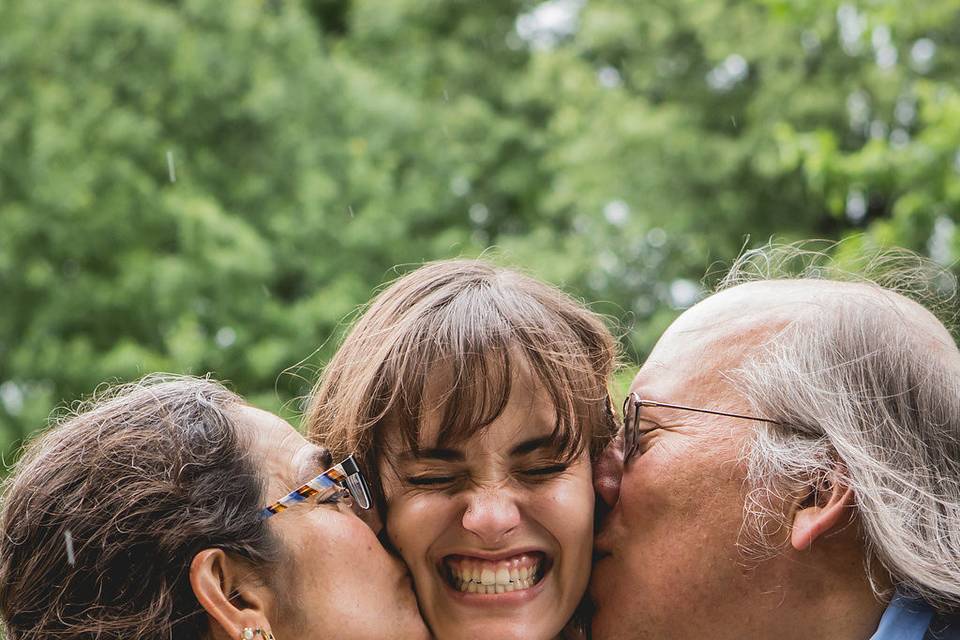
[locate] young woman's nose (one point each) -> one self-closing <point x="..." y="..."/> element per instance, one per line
<point x="491" y="514"/>
<point x="608" y="472"/>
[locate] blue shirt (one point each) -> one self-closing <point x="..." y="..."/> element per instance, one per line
<point x="910" y="619"/>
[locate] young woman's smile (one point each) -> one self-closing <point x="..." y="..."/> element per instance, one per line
<point x="511" y="572"/>
<point x="496" y="529"/>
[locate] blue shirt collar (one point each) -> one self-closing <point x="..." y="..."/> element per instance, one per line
<point x="904" y="619"/>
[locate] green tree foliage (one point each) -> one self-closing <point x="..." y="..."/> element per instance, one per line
<point x="200" y="186"/>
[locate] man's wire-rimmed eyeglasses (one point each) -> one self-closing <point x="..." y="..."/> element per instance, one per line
<point x="632" y="432"/>
<point x="344" y="477"/>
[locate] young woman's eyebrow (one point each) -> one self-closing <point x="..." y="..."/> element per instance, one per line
<point x="435" y="453"/>
<point x="533" y="444"/>
<point x="441" y="454"/>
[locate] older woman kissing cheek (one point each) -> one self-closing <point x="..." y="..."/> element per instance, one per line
<point x="479" y="395"/>
<point x="165" y="510"/>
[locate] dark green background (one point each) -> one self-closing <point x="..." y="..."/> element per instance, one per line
<point x="618" y="149"/>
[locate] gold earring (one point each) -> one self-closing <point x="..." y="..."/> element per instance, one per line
<point x="249" y="633"/>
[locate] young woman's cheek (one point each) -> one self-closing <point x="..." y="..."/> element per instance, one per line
<point x="409" y="516"/>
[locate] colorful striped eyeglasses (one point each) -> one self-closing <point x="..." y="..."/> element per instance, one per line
<point x="344" y="477"/>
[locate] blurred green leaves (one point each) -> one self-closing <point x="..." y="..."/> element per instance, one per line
<point x="200" y="186"/>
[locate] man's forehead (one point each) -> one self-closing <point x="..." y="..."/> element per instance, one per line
<point x="751" y="308"/>
<point x="792" y="299"/>
<point x="710" y="340"/>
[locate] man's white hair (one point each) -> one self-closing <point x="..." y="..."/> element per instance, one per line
<point x="870" y="388"/>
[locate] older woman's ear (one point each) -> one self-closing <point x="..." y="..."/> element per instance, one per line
<point x="233" y="599"/>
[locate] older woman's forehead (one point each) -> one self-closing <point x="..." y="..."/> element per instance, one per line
<point x="282" y="453"/>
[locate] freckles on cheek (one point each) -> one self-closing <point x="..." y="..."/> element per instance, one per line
<point x="575" y="493"/>
<point x="408" y="521"/>
<point x="567" y="509"/>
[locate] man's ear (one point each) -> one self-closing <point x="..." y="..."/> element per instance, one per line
<point x="228" y="593"/>
<point x="825" y="509"/>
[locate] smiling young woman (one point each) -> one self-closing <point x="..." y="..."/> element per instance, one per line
<point x="474" y="397"/>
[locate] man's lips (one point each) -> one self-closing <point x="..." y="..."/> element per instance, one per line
<point x="602" y="543"/>
<point x="600" y="554"/>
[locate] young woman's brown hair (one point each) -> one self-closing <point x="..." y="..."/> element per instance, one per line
<point x="474" y="324"/>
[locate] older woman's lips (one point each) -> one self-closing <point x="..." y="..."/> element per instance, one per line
<point x="470" y="574"/>
<point x="402" y="573"/>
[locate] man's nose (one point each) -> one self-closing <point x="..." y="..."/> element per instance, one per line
<point x="608" y="472"/>
<point x="491" y="515"/>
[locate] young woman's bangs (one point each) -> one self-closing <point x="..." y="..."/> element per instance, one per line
<point x="469" y="389"/>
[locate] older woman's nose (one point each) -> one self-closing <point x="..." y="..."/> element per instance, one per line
<point x="608" y="472"/>
<point x="491" y="515"/>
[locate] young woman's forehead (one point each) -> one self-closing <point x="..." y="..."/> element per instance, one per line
<point x="458" y="392"/>
<point x="529" y="411"/>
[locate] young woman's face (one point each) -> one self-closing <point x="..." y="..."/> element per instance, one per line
<point x="339" y="579"/>
<point x="497" y="530"/>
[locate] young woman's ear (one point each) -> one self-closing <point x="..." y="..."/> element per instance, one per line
<point x="226" y="590"/>
<point x="825" y="509"/>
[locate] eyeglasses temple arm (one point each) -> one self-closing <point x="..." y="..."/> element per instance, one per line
<point x="651" y="403"/>
<point x="326" y="480"/>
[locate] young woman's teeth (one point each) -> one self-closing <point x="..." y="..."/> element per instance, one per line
<point x="473" y="575"/>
